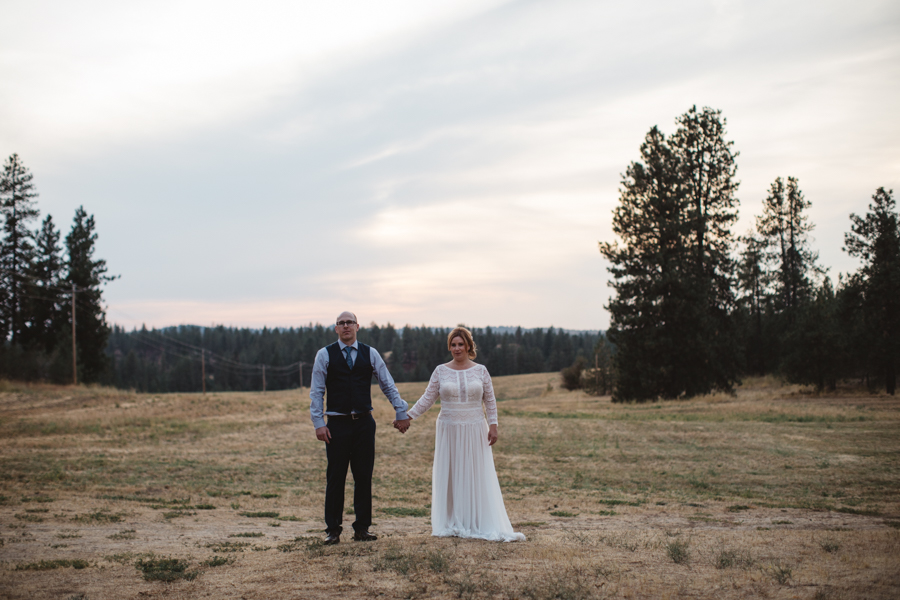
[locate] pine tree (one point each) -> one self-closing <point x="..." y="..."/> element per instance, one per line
<point x="785" y="227"/>
<point x="87" y="275"/>
<point x="753" y="283"/>
<point x="44" y="290"/>
<point x="875" y="239"/>
<point x="16" y="251"/>
<point x="673" y="272"/>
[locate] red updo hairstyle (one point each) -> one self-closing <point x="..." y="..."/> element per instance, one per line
<point x="466" y="335"/>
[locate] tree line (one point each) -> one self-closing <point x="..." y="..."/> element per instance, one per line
<point x="41" y="277"/>
<point x="231" y="359"/>
<point x="696" y="307"/>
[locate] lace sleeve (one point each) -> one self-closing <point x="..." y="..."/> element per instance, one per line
<point x="428" y="398"/>
<point x="490" y="402"/>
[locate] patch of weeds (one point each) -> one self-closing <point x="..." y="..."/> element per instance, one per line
<point x="4" y="499"/>
<point x="530" y="524"/>
<point x="29" y="518"/>
<point x="737" y="508"/>
<point x="269" y="495"/>
<point x="125" y="558"/>
<point x="393" y="559"/>
<point x="218" y="561"/>
<point x="402" y="511"/>
<point x="260" y="515"/>
<point x="248" y="534"/>
<point x="174" y="514"/>
<point x="313" y="546"/>
<point x="289" y="518"/>
<point x="77" y="597"/>
<point x="37" y="510"/>
<point x="38" y="499"/>
<point x="607" y="513"/>
<point x="68" y="534"/>
<point x="623" y="502"/>
<point x="572" y="583"/>
<point x="782" y="522"/>
<point x="47" y="565"/>
<point x="274" y="524"/>
<point x="125" y="534"/>
<point x="780" y="572"/>
<point x="204" y="507"/>
<point x="54" y="546"/>
<point x="164" y="569"/>
<point x="228" y="546"/>
<point x="464" y="585"/>
<point x="563" y="513"/>
<point x="235" y="505"/>
<point x="678" y="551"/>
<point x="437" y="561"/>
<point x="727" y="559"/>
<point x="867" y="512"/>
<point x="830" y="545"/>
<point x="894" y="524"/>
<point x="660" y="503"/>
<point x="101" y="516"/>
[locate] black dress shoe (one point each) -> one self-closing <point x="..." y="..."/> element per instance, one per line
<point x="364" y="536"/>
<point x="332" y="538"/>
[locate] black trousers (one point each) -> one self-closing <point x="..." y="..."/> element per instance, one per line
<point x="352" y="444"/>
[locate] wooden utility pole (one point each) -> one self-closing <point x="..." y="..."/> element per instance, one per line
<point x="264" y="378"/>
<point x="301" y="375"/>
<point x="203" y="369"/>
<point x="74" y="359"/>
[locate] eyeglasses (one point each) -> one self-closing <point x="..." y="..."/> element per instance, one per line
<point x="345" y="323"/>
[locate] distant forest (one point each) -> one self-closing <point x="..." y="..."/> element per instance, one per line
<point x="174" y="359"/>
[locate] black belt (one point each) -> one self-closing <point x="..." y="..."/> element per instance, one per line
<point x="352" y="416"/>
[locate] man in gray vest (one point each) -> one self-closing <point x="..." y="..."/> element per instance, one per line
<point x="343" y="374"/>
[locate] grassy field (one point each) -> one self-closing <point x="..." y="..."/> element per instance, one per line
<point x="774" y="492"/>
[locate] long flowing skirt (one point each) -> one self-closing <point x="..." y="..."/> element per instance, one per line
<point x="466" y="498"/>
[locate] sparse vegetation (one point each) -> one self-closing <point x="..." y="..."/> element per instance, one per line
<point x="678" y="551"/>
<point x="164" y="569"/>
<point x="625" y="474"/>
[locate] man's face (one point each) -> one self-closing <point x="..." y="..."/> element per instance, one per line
<point x="346" y="328"/>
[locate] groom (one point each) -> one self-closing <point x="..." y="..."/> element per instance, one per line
<point x="343" y="373"/>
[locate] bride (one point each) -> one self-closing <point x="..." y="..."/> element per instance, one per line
<point x="466" y="499"/>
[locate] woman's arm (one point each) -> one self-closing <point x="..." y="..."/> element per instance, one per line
<point x="432" y="392"/>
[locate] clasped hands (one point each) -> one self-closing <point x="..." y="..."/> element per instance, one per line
<point x="401" y="425"/>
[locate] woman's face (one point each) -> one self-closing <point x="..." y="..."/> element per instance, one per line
<point x="458" y="349"/>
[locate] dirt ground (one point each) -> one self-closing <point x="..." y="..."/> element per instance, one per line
<point x="774" y="492"/>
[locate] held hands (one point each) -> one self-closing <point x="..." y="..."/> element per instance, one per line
<point x="492" y="435"/>
<point x="401" y="425"/>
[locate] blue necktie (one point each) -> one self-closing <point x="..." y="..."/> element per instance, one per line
<point x="349" y="359"/>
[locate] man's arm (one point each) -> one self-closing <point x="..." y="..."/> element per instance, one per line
<point x="317" y="395"/>
<point x="389" y="389"/>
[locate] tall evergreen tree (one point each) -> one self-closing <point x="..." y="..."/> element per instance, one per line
<point x="875" y="239"/>
<point x="44" y="289"/>
<point x="87" y="274"/>
<point x="672" y="273"/>
<point x="785" y="227"/>
<point x="707" y="166"/>
<point x="753" y="284"/>
<point x="16" y="251"/>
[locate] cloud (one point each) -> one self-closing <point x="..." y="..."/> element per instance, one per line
<point x="447" y="167"/>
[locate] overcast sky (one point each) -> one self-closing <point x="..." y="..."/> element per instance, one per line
<point x="273" y="163"/>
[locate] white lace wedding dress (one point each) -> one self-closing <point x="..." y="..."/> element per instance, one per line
<point x="466" y="499"/>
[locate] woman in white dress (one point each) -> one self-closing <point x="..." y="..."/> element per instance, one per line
<point x="466" y="500"/>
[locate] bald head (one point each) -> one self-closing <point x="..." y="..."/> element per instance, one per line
<point x="347" y="331"/>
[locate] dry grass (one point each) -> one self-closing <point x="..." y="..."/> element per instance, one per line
<point x="774" y="492"/>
